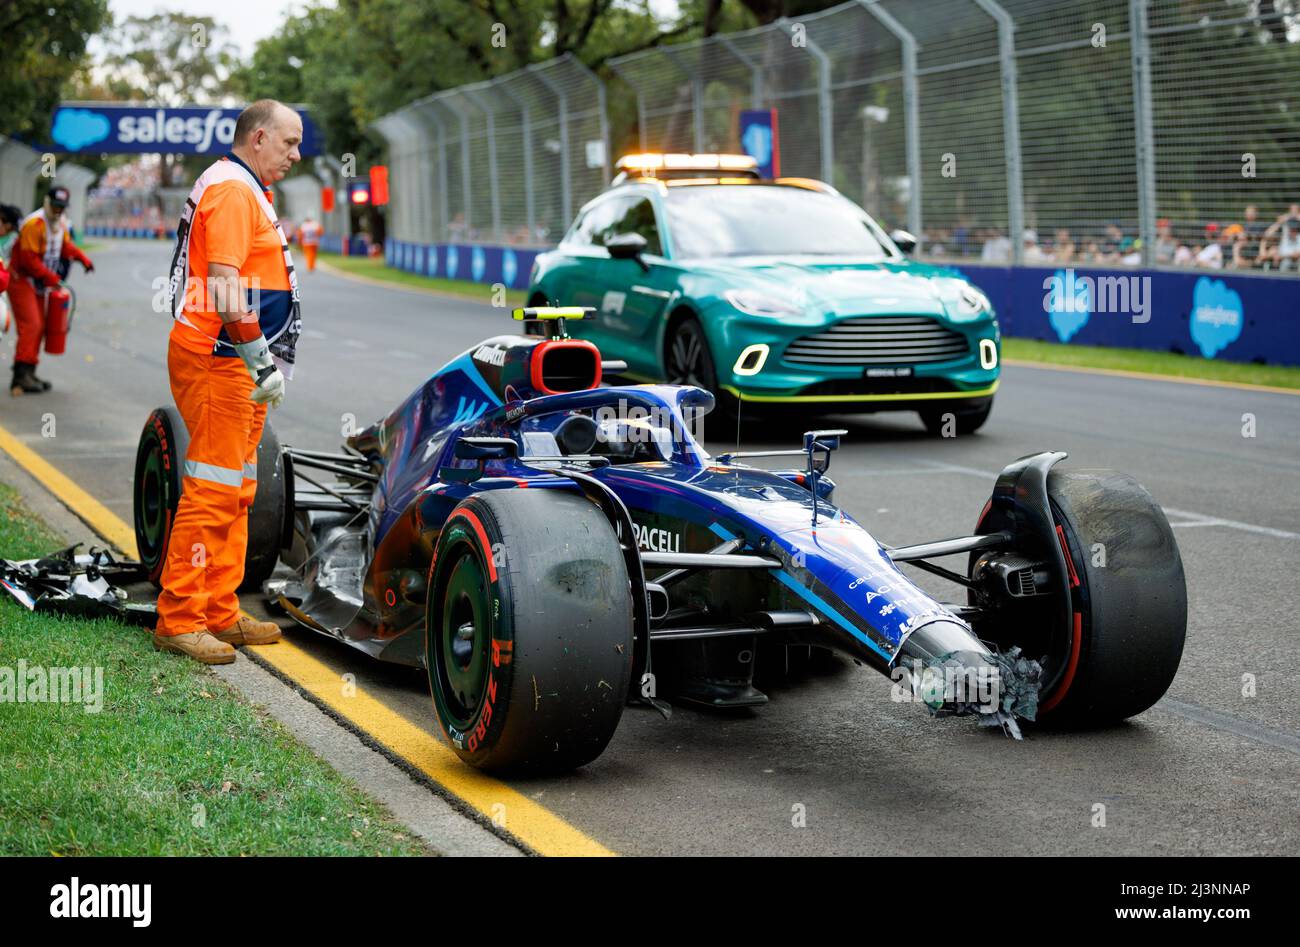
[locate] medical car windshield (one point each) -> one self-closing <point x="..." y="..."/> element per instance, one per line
<point x="763" y="220"/>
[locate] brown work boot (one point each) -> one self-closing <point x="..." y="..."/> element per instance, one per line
<point x="199" y="645"/>
<point x="249" y="631"/>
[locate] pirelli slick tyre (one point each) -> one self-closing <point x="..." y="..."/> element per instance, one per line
<point x="156" y="489"/>
<point x="266" y="517"/>
<point x="528" y="631"/>
<point x="1128" y="602"/>
<point x="159" y="476"/>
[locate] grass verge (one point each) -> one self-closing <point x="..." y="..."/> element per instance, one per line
<point x="374" y="268"/>
<point x="175" y="762"/>
<point x="1152" y="363"/>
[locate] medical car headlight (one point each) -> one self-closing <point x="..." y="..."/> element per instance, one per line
<point x="758" y="303"/>
<point x="971" y="302"/>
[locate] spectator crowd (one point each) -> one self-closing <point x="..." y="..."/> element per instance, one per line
<point x="1247" y="244"/>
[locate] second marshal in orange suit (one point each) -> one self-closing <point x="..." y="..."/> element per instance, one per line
<point x="309" y="239"/>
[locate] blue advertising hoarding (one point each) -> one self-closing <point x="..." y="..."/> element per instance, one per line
<point x="140" y="129"/>
<point x="761" y="140"/>
<point x="1211" y="314"/>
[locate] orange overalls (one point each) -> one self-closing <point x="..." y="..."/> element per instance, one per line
<point x="209" y="536"/>
<point x="309" y="240"/>
<point x="31" y="277"/>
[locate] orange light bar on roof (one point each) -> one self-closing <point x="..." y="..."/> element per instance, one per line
<point x="693" y="182"/>
<point x="809" y="183"/>
<point x="650" y="162"/>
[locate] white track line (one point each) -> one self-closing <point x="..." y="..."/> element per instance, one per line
<point x="1200" y="519"/>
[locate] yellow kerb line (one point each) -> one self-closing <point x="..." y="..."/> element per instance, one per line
<point x="93" y="513"/>
<point x="534" y="825"/>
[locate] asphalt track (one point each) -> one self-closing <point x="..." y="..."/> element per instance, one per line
<point x="1208" y="771"/>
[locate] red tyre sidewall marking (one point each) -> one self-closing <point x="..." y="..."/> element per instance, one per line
<point x="1076" y="637"/>
<point x="501" y="651"/>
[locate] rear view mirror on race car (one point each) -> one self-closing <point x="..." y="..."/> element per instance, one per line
<point x="486" y="448"/>
<point x="594" y="545"/>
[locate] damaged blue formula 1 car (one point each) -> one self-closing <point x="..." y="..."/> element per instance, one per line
<point x="552" y="550"/>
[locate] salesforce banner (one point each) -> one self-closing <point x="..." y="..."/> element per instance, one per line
<point x="1211" y="314"/>
<point x="130" y="129"/>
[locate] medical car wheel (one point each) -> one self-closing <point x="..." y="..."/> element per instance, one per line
<point x="1128" y="601"/>
<point x="528" y="631"/>
<point x="965" y="420"/>
<point x="159" y="460"/>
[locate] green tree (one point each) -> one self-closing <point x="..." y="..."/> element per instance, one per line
<point x="361" y="59"/>
<point x="169" y="59"/>
<point x="43" y="44"/>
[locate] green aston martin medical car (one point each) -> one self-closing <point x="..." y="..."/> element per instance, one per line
<point x="770" y="292"/>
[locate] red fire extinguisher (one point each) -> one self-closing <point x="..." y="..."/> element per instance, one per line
<point x="58" y="319"/>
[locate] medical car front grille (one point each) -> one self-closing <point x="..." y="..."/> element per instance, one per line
<point x="879" y="340"/>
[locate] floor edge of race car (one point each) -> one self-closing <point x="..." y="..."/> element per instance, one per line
<point x="459" y="811"/>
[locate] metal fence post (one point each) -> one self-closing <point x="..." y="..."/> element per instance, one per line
<point x="755" y="76"/>
<point x="1010" y="125"/>
<point x="467" y="190"/>
<point x="602" y="104"/>
<point x="443" y="217"/>
<point x="494" y="180"/>
<point x="566" y="181"/>
<point x="825" y="113"/>
<point x="526" y="131"/>
<point x="911" y="112"/>
<point x="1143" y="128"/>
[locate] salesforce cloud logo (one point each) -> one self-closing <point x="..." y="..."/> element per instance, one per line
<point x="758" y="143"/>
<point x="74" y="129"/>
<point x="509" y="267"/>
<point x="1068" y="303"/>
<point x="1217" y="316"/>
<point x="477" y="264"/>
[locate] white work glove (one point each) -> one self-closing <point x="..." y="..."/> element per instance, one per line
<point x="269" y="380"/>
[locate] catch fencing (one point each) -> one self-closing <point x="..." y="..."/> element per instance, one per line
<point x="1102" y="132"/>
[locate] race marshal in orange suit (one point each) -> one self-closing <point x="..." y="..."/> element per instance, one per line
<point x="234" y="299"/>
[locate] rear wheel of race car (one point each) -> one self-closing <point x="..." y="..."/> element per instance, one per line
<point x="1128" y="608"/>
<point x="159" y="476"/>
<point x="528" y="631"/>
<point x="267" y="514"/>
<point x="159" y="462"/>
<point x="953" y="420"/>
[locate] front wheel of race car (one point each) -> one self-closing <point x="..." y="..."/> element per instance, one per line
<point x="1128" y="602"/>
<point x="528" y="631"/>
